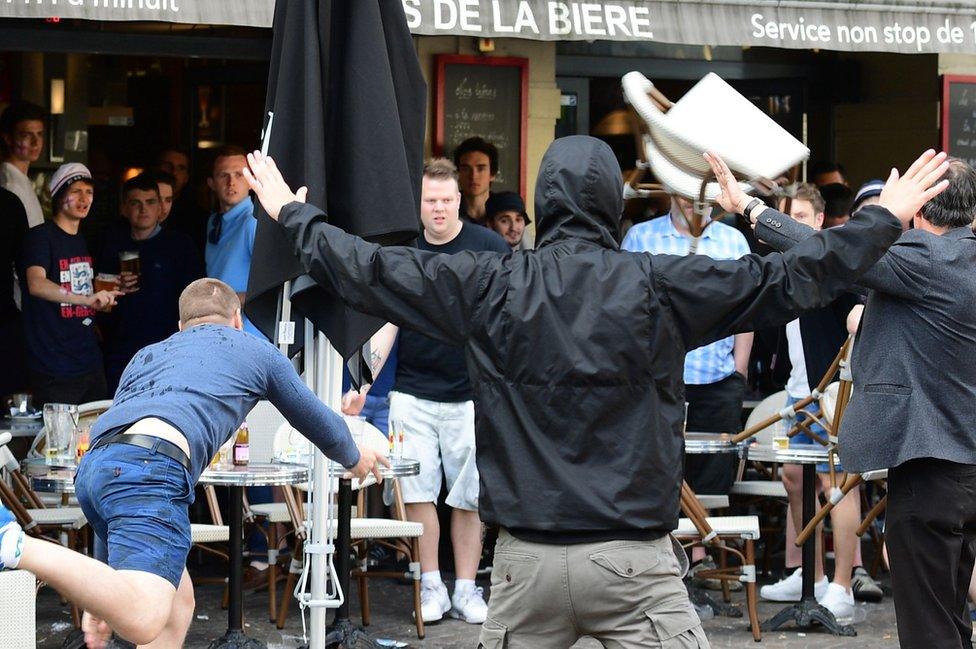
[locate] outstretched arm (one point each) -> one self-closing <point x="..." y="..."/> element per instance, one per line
<point x="323" y="427"/>
<point x="434" y="293"/>
<point x="711" y="299"/>
<point x="903" y="196"/>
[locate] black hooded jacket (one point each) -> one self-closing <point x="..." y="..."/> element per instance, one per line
<point x="576" y="349"/>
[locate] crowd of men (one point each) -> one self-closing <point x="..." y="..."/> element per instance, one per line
<point x="80" y="334"/>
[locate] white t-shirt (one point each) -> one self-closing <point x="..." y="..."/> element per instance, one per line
<point x="797" y="386"/>
<point x="14" y="180"/>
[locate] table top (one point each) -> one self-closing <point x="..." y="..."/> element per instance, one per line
<point x="796" y="454"/>
<point x="21" y="427"/>
<point x="398" y="469"/>
<point x="255" y="474"/>
<point x="702" y="443"/>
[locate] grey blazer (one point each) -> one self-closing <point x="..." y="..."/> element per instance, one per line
<point x="914" y="363"/>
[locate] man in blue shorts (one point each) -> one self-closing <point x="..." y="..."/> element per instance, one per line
<point x="178" y="401"/>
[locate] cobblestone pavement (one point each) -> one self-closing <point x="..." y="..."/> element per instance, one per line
<point x="391" y="612"/>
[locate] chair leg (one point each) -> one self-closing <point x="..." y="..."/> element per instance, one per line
<point x="418" y="613"/>
<point x="751" y="598"/>
<point x="226" y="601"/>
<point x="363" y="598"/>
<point x="286" y="600"/>
<point x="723" y="564"/>
<point x="272" y="572"/>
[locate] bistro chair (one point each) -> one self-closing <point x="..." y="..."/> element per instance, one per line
<point x="18" y="597"/>
<point x="61" y="525"/>
<point x="712" y="116"/>
<point x="729" y="534"/>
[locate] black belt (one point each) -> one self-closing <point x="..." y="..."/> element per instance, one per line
<point x="162" y="446"/>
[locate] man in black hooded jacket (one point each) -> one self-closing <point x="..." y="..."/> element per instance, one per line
<point x="575" y="352"/>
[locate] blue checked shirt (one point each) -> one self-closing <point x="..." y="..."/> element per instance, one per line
<point x="712" y="362"/>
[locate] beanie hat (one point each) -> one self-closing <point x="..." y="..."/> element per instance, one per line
<point x="867" y="190"/>
<point x="505" y="202"/>
<point x="67" y="174"/>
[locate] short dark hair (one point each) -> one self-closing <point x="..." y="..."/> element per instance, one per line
<point x="161" y="177"/>
<point x="837" y="200"/>
<point x="207" y="297"/>
<point x="172" y="149"/>
<point x="226" y="151"/>
<point x="479" y="145"/>
<point x="440" y="169"/>
<point x="15" y="113"/>
<point x="825" y="167"/>
<point x="143" y="182"/>
<point x="956" y="206"/>
<point x="808" y="192"/>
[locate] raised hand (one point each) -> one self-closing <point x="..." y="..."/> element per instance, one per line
<point x="268" y="184"/>
<point x="905" y="195"/>
<point x="732" y="199"/>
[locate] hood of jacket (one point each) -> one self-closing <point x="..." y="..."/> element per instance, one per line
<point x="579" y="193"/>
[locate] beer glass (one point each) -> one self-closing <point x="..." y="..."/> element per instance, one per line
<point x="60" y="422"/>
<point x="129" y="263"/>
<point x="106" y="282"/>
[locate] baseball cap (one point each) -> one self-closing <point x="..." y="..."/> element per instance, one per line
<point x="67" y="174"/>
<point x="505" y="202"/>
<point x="867" y="190"/>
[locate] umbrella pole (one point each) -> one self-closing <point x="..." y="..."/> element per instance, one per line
<point x="328" y="370"/>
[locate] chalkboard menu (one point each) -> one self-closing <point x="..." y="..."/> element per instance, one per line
<point x="959" y="117"/>
<point x="486" y="97"/>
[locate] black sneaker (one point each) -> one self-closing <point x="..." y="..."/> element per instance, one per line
<point x="865" y="588"/>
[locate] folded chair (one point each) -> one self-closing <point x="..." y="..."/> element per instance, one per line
<point x="712" y="116"/>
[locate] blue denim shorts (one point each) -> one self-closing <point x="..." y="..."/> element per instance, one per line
<point x="137" y="502"/>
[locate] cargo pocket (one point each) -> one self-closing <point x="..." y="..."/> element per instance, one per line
<point x="675" y="625"/>
<point x="628" y="561"/>
<point x="492" y="635"/>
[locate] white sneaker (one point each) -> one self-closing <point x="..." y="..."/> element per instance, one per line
<point x="790" y="589"/>
<point x="470" y="606"/>
<point x="838" y="601"/>
<point x="434" y="602"/>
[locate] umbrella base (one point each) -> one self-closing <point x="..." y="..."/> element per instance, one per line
<point x="346" y="635"/>
<point x="807" y="613"/>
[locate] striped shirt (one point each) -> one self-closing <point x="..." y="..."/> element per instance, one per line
<point x="712" y="362"/>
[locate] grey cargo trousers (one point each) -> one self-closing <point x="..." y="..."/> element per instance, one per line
<point x="625" y="594"/>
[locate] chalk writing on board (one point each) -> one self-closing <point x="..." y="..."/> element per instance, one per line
<point x="960" y="121"/>
<point x="485" y="100"/>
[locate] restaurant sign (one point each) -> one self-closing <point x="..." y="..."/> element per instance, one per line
<point x="882" y="25"/>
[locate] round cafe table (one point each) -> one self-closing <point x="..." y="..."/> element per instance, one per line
<point x="807" y="611"/>
<point x="705" y="443"/>
<point x="343" y="632"/>
<point x="236" y="478"/>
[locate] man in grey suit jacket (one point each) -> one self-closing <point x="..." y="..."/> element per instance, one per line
<point x="914" y="405"/>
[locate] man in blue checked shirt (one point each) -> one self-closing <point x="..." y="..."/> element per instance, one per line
<point x="715" y="375"/>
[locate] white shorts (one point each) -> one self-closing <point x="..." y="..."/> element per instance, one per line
<point x="441" y="436"/>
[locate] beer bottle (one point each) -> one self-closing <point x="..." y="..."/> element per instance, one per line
<point x="242" y="446"/>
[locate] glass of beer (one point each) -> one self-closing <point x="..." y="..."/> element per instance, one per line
<point x="106" y="282"/>
<point x="129" y="263"/>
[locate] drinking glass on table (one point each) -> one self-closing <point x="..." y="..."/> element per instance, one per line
<point x="60" y="422"/>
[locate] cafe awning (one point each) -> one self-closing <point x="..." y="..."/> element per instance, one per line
<point x="854" y="25"/>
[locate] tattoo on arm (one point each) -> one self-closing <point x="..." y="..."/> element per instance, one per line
<point x="375" y="361"/>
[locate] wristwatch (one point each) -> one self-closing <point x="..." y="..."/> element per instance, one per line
<point x="753" y="204"/>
